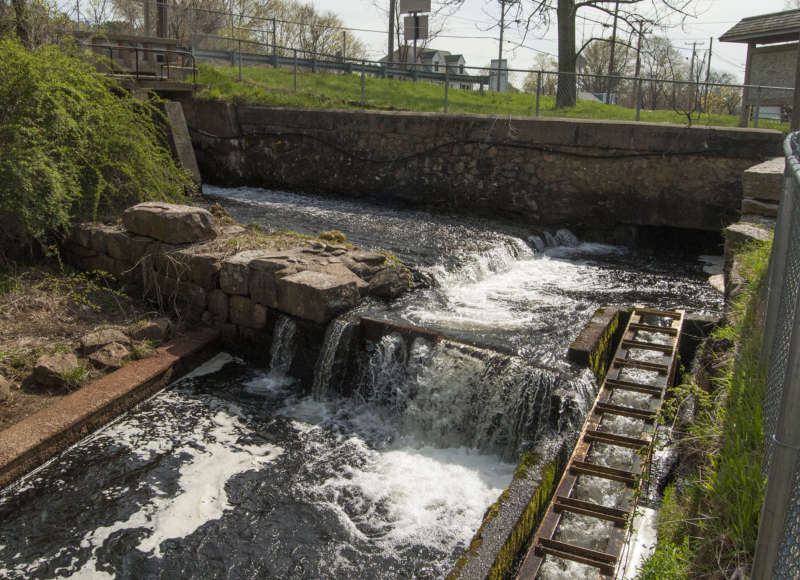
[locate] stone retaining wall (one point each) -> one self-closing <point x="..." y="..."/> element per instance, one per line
<point x="245" y="293"/>
<point x="591" y="176"/>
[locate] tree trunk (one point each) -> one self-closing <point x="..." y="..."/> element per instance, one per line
<point x="21" y="13"/>
<point x="567" y="81"/>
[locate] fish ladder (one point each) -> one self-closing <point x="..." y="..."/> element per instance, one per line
<point x="656" y="335"/>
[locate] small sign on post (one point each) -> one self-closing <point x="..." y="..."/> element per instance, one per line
<point x="409" y="6"/>
<point x="415" y="27"/>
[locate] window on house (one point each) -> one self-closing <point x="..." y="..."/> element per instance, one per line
<point x="436" y="66"/>
<point x="461" y="69"/>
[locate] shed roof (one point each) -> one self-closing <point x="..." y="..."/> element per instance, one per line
<point x="766" y="28"/>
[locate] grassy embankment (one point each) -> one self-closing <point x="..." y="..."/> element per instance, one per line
<point x="708" y="523"/>
<point x="263" y="85"/>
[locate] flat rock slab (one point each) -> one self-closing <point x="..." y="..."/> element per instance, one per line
<point x="759" y="208"/>
<point x="170" y="223"/>
<point x="36" y="439"/>
<point x="765" y="180"/>
<point x="316" y="296"/>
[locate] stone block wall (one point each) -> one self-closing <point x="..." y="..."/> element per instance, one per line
<point x="591" y="176"/>
<point x="244" y="294"/>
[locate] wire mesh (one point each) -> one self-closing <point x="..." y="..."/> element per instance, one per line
<point x="788" y="563"/>
<point x="787" y="558"/>
<point x="779" y="359"/>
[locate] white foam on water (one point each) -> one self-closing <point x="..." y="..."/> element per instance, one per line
<point x="620" y="425"/>
<point x="584" y="531"/>
<point x="602" y="491"/>
<point x="210" y="455"/>
<point x="645" y="355"/>
<point x="503" y="289"/>
<point x="635" y="400"/>
<point x="559" y="569"/>
<point x="434" y="497"/>
<point x="614" y="456"/>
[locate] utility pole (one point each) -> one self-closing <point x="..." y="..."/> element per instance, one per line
<point x="344" y="46"/>
<point x="708" y="71"/>
<point x="392" y="10"/>
<point x="613" y="47"/>
<point x="637" y="84"/>
<point x="502" y="30"/>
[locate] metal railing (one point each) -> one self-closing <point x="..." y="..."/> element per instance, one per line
<point x="120" y="67"/>
<point x="244" y="41"/>
<point x="778" y="548"/>
<point x="685" y="98"/>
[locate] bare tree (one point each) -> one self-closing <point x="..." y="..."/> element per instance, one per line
<point x="544" y="63"/>
<point x="437" y="21"/>
<point x="538" y="13"/>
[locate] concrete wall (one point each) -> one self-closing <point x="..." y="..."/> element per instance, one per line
<point x="587" y="175"/>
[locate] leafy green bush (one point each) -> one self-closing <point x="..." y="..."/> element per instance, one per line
<point x="75" y="147"/>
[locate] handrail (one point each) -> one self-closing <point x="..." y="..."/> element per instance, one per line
<point x="137" y="49"/>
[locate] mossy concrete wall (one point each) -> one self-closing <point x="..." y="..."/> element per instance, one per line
<point x="587" y="175"/>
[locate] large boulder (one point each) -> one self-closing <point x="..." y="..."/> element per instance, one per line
<point x="316" y="296"/>
<point x="51" y="369"/>
<point x="99" y="338"/>
<point x="170" y="223"/>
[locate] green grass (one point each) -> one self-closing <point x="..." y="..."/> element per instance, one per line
<point x="710" y="529"/>
<point x="267" y="86"/>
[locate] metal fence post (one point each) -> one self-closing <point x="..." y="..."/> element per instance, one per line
<point x="295" y="70"/>
<point x="538" y="90"/>
<point x="638" y="99"/>
<point x="758" y="106"/>
<point x="240" y="60"/>
<point x="446" y="87"/>
<point x="363" y="82"/>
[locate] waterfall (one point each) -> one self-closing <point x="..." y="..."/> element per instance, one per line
<point x="323" y="369"/>
<point x="451" y="395"/>
<point x="477" y="266"/>
<point x="283" y="347"/>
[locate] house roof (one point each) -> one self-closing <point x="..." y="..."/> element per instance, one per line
<point x="766" y="28"/>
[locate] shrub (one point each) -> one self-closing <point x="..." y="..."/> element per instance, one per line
<point x="75" y="147"/>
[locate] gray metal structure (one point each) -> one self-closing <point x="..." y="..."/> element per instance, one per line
<point x="778" y="548"/>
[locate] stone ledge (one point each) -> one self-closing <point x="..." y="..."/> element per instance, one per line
<point x="765" y="180"/>
<point x="42" y="436"/>
<point x="597" y="341"/>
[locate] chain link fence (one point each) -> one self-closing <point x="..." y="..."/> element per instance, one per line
<point x="778" y="548"/>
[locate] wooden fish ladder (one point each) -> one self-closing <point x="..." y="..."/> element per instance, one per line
<point x="643" y="320"/>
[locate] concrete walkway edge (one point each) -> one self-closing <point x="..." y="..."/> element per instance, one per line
<point x="40" y="437"/>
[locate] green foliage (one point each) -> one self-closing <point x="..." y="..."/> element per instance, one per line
<point x="75" y="147"/>
<point x="142" y="350"/>
<point x="668" y="562"/>
<point x="76" y="376"/>
<point x="714" y="527"/>
<point x="263" y="85"/>
<point x="333" y="237"/>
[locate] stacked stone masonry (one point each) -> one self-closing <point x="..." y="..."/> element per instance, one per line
<point x="241" y="294"/>
<point x="590" y="176"/>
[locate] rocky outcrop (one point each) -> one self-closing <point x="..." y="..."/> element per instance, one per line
<point x="51" y="369"/>
<point x="170" y="223"/>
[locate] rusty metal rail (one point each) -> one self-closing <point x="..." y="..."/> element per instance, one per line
<point x="664" y="354"/>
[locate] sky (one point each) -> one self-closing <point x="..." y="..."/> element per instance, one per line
<point x="472" y="20"/>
